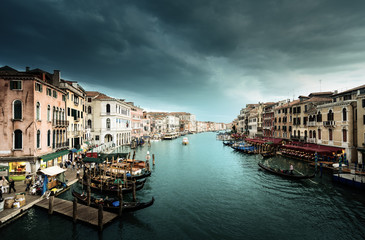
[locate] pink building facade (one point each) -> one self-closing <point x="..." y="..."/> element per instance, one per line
<point x="33" y="124"/>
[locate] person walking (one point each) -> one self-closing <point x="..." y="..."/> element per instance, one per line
<point x="291" y="169"/>
<point x="11" y="185"/>
<point x="28" y="181"/>
<point x="78" y="174"/>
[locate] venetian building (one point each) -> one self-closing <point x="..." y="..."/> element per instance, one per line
<point x="136" y="120"/>
<point x="108" y="120"/>
<point x="268" y="119"/>
<point x="360" y="98"/>
<point x="337" y="123"/>
<point x="33" y="123"/>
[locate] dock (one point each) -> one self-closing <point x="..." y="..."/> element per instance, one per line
<point x="85" y="214"/>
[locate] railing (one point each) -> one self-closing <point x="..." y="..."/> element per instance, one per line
<point x="311" y="124"/>
<point x="61" y="145"/>
<point x="329" y="123"/>
<point x="311" y="140"/>
<point x="60" y="123"/>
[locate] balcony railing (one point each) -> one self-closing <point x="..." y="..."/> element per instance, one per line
<point x="60" y="123"/>
<point x="60" y="145"/>
<point x="329" y="123"/>
<point x="311" y="124"/>
<point x="311" y="140"/>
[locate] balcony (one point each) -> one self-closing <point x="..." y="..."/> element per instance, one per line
<point x="311" y="124"/>
<point x="311" y="140"/>
<point x="60" y="123"/>
<point x="60" y="145"/>
<point x="329" y="123"/>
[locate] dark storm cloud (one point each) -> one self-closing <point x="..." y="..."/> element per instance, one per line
<point x="206" y="49"/>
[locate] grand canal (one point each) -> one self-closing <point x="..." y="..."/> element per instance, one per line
<point x="208" y="191"/>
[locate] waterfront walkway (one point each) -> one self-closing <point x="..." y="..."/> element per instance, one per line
<point x="7" y="215"/>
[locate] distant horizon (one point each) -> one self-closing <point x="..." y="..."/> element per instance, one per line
<point x="208" y="58"/>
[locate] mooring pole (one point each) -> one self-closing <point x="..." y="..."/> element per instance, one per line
<point x="74" y="212"/>
<point x="153" y="159"/>
<point x="120" y="202"/>
<point x="51" y="202"/>
<point x="100" y="218"/>
<point x="134" y="190"/>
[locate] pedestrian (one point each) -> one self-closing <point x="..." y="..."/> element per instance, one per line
<point x="291" y="169"/>
<point x="78" y="174"/>
<point x="12" y="185"/>
<point x="61" y="165"/>
<point x="73" y="165"/>
<point x="28" y="181"/>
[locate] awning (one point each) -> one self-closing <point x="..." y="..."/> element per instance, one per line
<point x="95" y="160"/>
<point x="88" y="143"/>
<point x="54" y="155"/>
<point x="74" y="150"/>
<point x="4" y="168"/>
<point x="52" y="171"/>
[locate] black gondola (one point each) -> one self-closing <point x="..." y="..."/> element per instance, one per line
<point x="286" y="174"/>
<point x="111" y="190"/>
<point x="267" y="154"/>
<point x="134" y="177"/>
<point x="110" y="182"/>
<point x="110" y="207"/>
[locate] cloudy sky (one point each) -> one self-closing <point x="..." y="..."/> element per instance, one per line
<point x="207" y="57"/>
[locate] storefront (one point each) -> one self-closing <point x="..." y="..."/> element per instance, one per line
<point x="19" y="170"/>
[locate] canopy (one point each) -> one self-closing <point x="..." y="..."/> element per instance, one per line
<point x="52" y="171"/>
<point x="54" y="155"/>
<point x="95" y="160"/>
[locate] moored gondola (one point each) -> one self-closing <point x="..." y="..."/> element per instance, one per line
<point x="285" y="173"/>
<point x="112" y="205"/>
<point x="267" y="154"/>
<point x="111" y="190"/>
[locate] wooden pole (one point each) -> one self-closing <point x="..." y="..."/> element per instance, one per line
<point x="134" y="154"/>
<point x="100" y="218"/>
<point x="120" y="202"/>
<point x="153" y="159"/>
<point x="134" y="190"/>
<point x="51" y="202"/>
<point x="74" y="215"/>
<point x="88" y="190"/>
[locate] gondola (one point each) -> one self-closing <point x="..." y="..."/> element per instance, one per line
<point x="111" y="190"/>
<point x="267" y="154"/>
<point x="112" y="205"/>
<point x="134" y="177"/>
<point x="110" y="181"/>
<point x="285" y="174"/>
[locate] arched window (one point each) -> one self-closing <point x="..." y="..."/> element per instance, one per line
<point x="108" y="123"/>
<point x="54" y="114"/>
<point x="49" y="113"/>
<point x="108" y="108"/>
<point x="54" y="139"/>
<point x="305" y="133"/>
<point x="89" y="109"/>
<point x="319" y="134"/>
<point x="310" y="134"/>
<point x="344" y="135"/>
<point x="344" y="114"/>
<point x="38" y="139"/>
<point x="314" y="134"/>
<point x="298" y="134"/>
<point x="330" y="135"/>
<point x="18" y="139"/>
<point x="89" y="123"/>
<point x="38" y="111"/>
<point x="17" y="110"/>
<point x="319" y="117"/>
<point x="330" y="115"/>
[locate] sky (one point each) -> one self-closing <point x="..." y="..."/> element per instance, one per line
<point x="206" y="57"/>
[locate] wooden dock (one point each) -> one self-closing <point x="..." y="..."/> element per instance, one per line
<point x="85" y="214"/>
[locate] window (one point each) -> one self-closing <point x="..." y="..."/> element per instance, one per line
<point x="82" y="114"/>
<point x="89" y="123"/>
<point x="49" y="92"/>
<point x="310" y="134"/>
<point x="49" y="113"/>
<point x="344" y="135"/>
<point x="18" y="139"/>
<point x="38" y="87"/>
<point x="344" y="114"/>
<point x="330" y="115"/>
<point x="97" y="137"/>
<point x="68" y="111"/>
<point x="305" y="108"/>
<point x="64" y="98"/>
<point x="72" y="97"/>
<point x="49" y="138"/>
<point x="314" y="134"/>
<point x="347" y="97"/>
<point x="319" y="117"/>
<point x="89" y="100"/>
<point x="38" y="139"/>
<point x="54" y="94"/>
<point x="38" y="111"/>
<point x="363" y="103"/>
<point x="108" y="108"/>
<point x="108" y="123"/>
<point x="17" y="110"/>
<point x="89" y="109"/>
<point x="330" y="134"/>
<point x="15" y="85"/>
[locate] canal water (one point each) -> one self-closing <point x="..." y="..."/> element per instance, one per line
<point x="205" y="190"/>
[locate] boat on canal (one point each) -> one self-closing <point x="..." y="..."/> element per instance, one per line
<point x="170" y="136"/>
<point x="185" y="141"/>
<point x="111" y="190"/>
<point x="267" y="154"/>
<point x="112" y="205"/>
<point x="284" y="173"/>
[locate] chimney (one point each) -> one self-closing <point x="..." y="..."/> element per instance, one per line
<point x="27" y="69"/>
<point x="56" y="77"/>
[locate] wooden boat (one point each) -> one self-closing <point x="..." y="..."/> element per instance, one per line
<point x="112" y="205"/>
<point x="111" y="190"/>
<point x="285" y="173"/>
<point x="111" y="181"/>
<point x="267" y="154"/>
